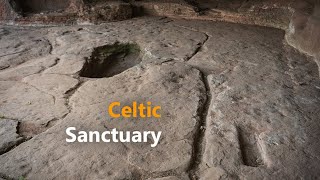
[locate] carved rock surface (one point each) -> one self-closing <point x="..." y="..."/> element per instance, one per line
<point x="237" y="102"/>
<point x="8" y="135"/>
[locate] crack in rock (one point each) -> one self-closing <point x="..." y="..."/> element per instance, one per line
<point x="199" y="45"/>
<point x="12" y="137"/>
<point x="198" y="146"/>
<point x="69" y="94"/>
<point x="198" y="49"/>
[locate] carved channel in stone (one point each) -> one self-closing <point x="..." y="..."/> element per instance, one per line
<point x="110" y="60"/>
<point x="252" y="148"/>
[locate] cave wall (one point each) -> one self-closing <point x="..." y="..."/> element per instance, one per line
<point x="42" y="5"/>
<point x="39" y="6"/>
<point x="304" y="31"/>
<point x="300" y="18"/>
<point x="6" y="11"/>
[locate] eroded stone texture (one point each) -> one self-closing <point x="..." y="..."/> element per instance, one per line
<point x="21" y="97"/>
<point x="237" y="102"/>
<point x="8" y="135"/>
<point x="169" y="178"/>
<point x="258" y="120"/>
<point x="63" y="11"/>
<point x="28" y="68"/>
<point x="28" y="103"/>
<point x="177" y="87"/>
<point x="266" y="12"/>
<point x="55" y="84"/>
<point x="6" y="11"/>
<point x="108" y="11"/>
<point x="18" y="47"/>
<point x="158" y="41"/>
<point x="304" y="31"/>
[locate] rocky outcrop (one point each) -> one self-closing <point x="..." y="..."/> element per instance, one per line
<point x="7" y="11"/>
<point x="8" y="134"/>
<point x="63" y="12"/>
<point x="299" y="18"/>
<point x="304" y="31"/>
<point x="237" y="102"/>
<point x="267" y="13"/>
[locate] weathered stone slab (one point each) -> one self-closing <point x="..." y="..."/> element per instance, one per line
<point x="304" y="31"/>
<point x="260" y="117"/>
<point x="8" y="135"/>
<point x="176" y="87"/>
<point x="54" y="84"/>
<point x="27" y="103"/>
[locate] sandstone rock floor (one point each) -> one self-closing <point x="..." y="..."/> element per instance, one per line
<point x="237" y="101"/>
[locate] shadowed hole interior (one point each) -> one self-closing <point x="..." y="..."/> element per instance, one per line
<point x="251" y="148"/>
<point x="37" y="6"/>
<point x="110" y="60"/>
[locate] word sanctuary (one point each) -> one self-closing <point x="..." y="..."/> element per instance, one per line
<point x="113" y="136"/>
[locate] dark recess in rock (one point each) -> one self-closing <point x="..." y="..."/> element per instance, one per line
<point x="37" y="6"/>
<point x="110" y="60"/>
